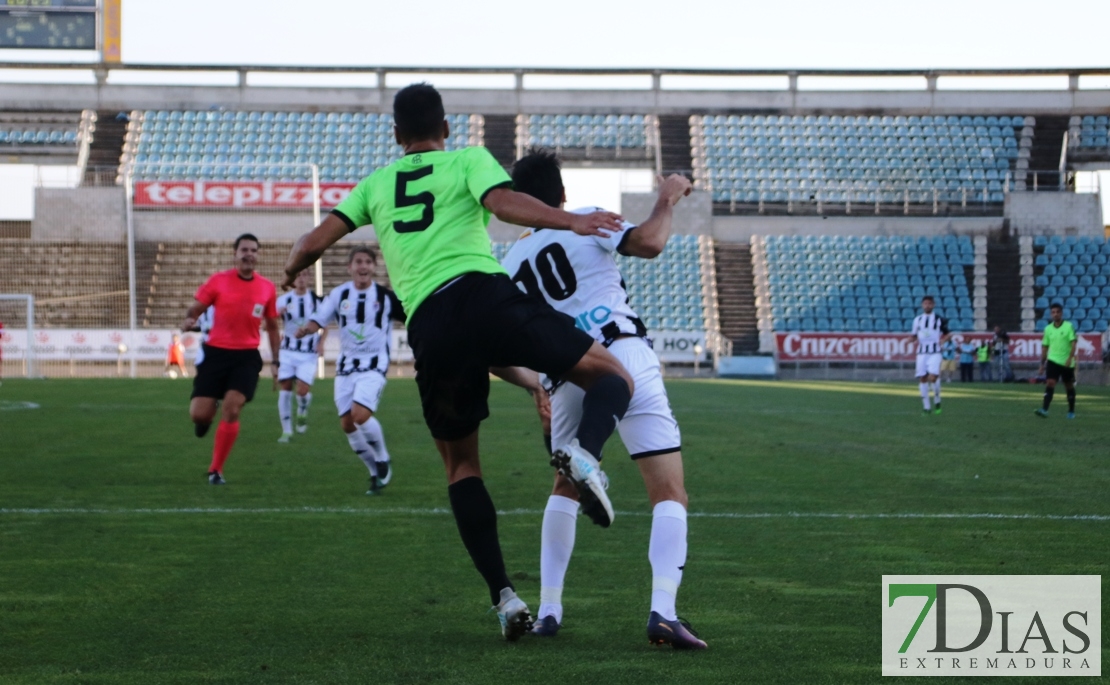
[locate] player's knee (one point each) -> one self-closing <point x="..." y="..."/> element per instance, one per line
<point x="669" y="493"/>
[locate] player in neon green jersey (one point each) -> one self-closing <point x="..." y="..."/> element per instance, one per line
<point x="1058" y="359"/>
<point x="465" y="317"/>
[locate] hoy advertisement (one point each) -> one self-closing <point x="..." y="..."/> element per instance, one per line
<point x="992" y="625"/>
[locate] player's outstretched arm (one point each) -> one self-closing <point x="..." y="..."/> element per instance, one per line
<point x="524" y="210"/>
<point x="650" y="238"/>
<point x="312" y="245"/>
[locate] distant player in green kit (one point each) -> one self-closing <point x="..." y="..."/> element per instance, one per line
<point x="466" y="317"/>
<point x="1058" y="359"/>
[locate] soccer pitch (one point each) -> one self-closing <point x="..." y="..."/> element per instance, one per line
<point x="119" y="564"/>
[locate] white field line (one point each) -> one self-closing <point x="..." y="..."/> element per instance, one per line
<point x="439" y="511"/>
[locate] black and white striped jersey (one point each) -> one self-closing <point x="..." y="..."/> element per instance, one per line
<point x="365" y="319"/>
<point x="295" y="311"/>
<point x="205" y="322"/>
<point x="929" y="329"/>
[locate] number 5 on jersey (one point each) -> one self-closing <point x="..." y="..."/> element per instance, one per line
<point x="401" y="198"/>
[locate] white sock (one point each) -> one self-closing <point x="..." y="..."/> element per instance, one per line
<point x="372" y="429"/>
<point x="936" y="391"/>
<point x="362" y="449"/>
<point x="303" y="404"/>
<point x="667" y="554"/>
<point x="924" y="387"/>
<point x="285" y="410"/>
<point x="556" y="545"/>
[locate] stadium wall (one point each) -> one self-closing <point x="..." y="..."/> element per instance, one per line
<point x="84" y="214"/>
<point x="1051" y="213"/>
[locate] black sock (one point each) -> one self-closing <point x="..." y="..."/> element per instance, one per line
<point x="604" y="404"/>
<point x="1071" y="400"/>
<point x="201" y="429"/>
<point x="547" y="443"/>
<point x="477" y="521"/>
<point x="1048" y="392"/>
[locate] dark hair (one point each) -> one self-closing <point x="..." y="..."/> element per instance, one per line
<point x="1056" y="305"/>
<point x="538" y="174"/>
<point x="418" y="112"/>
<point x="362" y="249"/>
<point x="929" y="298"/>
<point x="247" y="236"/>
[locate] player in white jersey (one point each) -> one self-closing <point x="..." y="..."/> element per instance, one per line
<point x="298" y="356"/>
<point x="930" y="331"/>
<point x="204" y="327"/>
<point x="364" y="312"/>
<point x="578" y="276"/>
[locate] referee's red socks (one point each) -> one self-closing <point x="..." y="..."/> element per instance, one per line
<point x="226" y="433"/>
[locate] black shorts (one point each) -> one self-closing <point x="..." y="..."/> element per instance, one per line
<point x="223" y="370"/>
<point x="483" y="320"/>
<point x="1059" y="372"/>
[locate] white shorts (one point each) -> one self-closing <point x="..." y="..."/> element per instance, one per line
<point x="365" y="388"/>
<point x="927" y="365"/>
<point x="299" y="365"/>
<point x="648" y="427"/>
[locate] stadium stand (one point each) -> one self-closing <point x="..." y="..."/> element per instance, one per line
<point x="178" y="145"/>
<point x="755" y="159"/>
<point x="836" y="283"/>
<point x="604" y="136"/>
<point x="1073" y="271"/>
<point x="40" y="135"/>
<point x="1089" y="131"/>
<point x="75" y="284"/>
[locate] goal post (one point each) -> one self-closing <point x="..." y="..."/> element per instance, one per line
<point x="17" y="335"/>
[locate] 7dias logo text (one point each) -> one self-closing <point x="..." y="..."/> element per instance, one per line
<point x="992" y="625"/>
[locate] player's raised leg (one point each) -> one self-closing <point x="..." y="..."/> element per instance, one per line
<point x="608" y="390"/>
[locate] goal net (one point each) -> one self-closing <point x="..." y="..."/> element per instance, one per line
<point x="17" y="336"/>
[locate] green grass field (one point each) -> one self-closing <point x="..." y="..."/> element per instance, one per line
<point x="119" y="564"/>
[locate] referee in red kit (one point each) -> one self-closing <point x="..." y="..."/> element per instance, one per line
<point x="243" y="300"/>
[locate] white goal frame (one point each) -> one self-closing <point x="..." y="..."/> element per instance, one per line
<point x="30" y="364"/>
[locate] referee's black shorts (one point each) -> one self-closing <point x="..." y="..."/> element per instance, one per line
<point x="1059" y="372"/>
<point x="223" y="370"/>
<point x="479" y="321"/>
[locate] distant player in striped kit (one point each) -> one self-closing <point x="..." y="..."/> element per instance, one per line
<point x="298" y="356"/>
<point x="226" y="379"/>
<point x="364" y="312"/>
<point x="930" y="331"/>
<point x="203" y="326"/>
